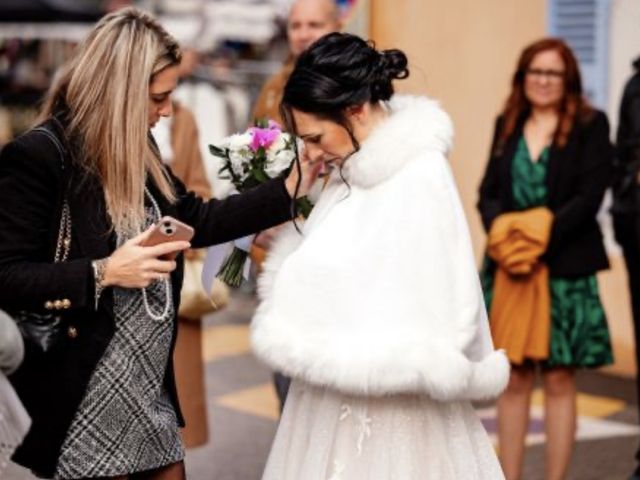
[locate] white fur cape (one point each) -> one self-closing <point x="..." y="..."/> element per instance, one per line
<point x="380" y="294"/>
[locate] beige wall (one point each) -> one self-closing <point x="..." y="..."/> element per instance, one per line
<point x="624" y="46"/>
<point x="463" y="53"/>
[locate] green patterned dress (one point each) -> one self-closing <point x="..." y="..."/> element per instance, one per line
<point x="579" y="332"/>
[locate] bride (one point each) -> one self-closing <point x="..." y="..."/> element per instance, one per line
<point x="374" y="307"/>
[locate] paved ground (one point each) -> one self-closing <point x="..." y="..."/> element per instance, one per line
<point x="243" y="414"/>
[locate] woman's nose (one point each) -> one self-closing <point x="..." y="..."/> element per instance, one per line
<point x="313" y="152"/>
<point x="166" y="109"/>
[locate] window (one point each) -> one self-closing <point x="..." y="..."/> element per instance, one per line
<point x="584" y="24"/>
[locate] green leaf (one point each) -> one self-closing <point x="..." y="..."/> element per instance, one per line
<point x="225" y="167"/>
<point x="304" y="206"/>
<point x="259" y="175"/>
<point x="217" y="151"/>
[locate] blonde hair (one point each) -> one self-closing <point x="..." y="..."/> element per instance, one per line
<point x="105" y="87"/>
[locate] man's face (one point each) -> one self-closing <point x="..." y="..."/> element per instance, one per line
<point x="308" y="21"/>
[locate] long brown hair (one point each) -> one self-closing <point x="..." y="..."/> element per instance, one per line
<point x="572" y="106"/>
<point x="105" y="87"/>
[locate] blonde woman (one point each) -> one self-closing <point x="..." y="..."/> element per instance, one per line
<point x="103" y="399"/>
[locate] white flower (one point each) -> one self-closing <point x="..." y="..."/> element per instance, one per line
<point x="281" y="161"/>
<point x="279" y="155"/>
<point x="279" y="144"/>
<point x="240" y="162"/>
<point x="240" y="154"/>
<point x="239" y="141"/>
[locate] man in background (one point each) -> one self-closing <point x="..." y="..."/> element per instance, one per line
<point x="308" y="21"/>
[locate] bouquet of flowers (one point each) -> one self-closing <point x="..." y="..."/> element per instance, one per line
<point x="261" y="153"/>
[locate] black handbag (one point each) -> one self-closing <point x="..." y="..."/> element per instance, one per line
<point x="45" y="330"/>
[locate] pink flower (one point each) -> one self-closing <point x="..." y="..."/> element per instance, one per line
<point x="263" y="137"/>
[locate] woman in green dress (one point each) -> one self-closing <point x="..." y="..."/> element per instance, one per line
<point x="551" y="149"/>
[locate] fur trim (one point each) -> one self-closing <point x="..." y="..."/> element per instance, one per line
<point x="288" y="239"/>
<point x="489" y="377"/>
<point x="380" y="294"/>
<point x="426" y="366"/>
<point x="416" y="124"/>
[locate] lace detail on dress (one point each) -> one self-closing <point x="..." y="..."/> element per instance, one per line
<point x="346" y="411"/>
<point x="338" y="470"/>
<point x="328" y="435"/>
<point x="364" y="428"/>
<point x="362" y="423"/>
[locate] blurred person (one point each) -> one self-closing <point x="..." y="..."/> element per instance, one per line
<point x="103" y="401"/>
<point x="177" y="139"/>
<point x="14" y="421"/>
<point x="11" y="344"/>
<point x="626" y="201"/>
<point x="385" y="354"/>
<point x="208" y="106"/>
<point x="549" y="167"/>
<point x="308" y="20"/>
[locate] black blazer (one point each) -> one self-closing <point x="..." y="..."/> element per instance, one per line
<point x="577" y="178"/>
<point x="52" y="386"/>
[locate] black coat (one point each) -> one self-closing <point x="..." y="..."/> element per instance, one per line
<point x="577" y="178"/>
<point x="52" y="386"/>
<point x="625" y="187"/>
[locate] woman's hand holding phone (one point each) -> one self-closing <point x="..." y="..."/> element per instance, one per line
<point x="149" y="256"/>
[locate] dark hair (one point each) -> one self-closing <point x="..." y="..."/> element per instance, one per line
<point x="336" y="72"/>
<point x="572" y="106"/>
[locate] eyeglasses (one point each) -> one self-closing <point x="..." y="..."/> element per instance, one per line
<point x="555" y="75"/>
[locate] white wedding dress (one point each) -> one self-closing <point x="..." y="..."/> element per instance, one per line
<point x="326" y="435"/>
<point x="375" y="310"/>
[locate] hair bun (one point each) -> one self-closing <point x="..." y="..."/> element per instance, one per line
<point x="341" y="70"/>
<point x="393" y="64"/>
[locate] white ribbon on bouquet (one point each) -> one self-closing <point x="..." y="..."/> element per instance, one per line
<point x="217" y="254"/>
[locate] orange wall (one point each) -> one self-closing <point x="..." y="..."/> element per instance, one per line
<point x="461" y="52"/>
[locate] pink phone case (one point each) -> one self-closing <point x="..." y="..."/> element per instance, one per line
<point x="168" y="229"/>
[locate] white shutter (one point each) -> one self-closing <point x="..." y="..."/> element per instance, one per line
<point x="584" y="24"/>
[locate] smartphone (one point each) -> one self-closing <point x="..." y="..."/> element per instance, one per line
<point x="168" y="229"/>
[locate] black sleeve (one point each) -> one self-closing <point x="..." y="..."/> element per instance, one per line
<point x="218" y="221"/>
<point x="30" y="178"/>
<point x="628" y="137"/>
<point x="596" y="165"/>
<point x="489" y="203"/>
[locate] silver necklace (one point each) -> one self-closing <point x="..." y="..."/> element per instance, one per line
<point x="167" y="288"/>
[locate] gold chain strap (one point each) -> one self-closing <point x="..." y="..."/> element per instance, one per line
<point x="63" y="244"/>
